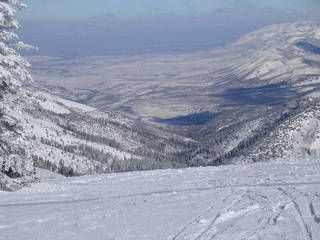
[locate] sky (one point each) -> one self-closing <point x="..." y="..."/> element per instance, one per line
<point x="75" y="9"/>
<point x="101" y="27"/>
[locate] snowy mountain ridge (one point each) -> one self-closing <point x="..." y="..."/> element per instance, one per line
<point x="272" y="96"/>
<point x="279" y="53"/>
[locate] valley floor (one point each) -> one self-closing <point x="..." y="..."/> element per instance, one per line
<point x="260" y="201"/>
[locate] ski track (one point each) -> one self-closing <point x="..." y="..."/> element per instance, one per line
<point x="259" y="201"/>
<point x="182" y="234"/>
<point x="308" y="233"/>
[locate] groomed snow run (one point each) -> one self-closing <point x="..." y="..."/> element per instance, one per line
<point x="271" y="200"/>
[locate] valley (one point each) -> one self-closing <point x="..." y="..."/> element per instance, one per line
<point x="228" y="100"/>
<point x="166" y="139"/>
<point x="254" y="100"/>
<point x="268" y="66"/>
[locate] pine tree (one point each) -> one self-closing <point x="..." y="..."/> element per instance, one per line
<point x="16" y="165"/>
<point x="12" y="65"/>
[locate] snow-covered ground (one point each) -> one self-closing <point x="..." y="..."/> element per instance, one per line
<point x="274" y="200"/>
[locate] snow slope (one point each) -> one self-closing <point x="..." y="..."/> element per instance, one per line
<point x="278" y="53"/>
<point x="40" y="130"/>
<point x="75" y="139"/>
<point x="274" y="200"/>
<point x="294" y="137"/>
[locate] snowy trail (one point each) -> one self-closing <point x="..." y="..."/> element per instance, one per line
<point x="261" y="201"/>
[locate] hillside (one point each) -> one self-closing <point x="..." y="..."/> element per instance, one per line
<point x="297" y="136"/>
<point x="74" y="139"/>
<point x="272" y="113"/>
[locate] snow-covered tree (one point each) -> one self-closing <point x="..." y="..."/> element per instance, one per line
<point x="16" y="165"/>
<point x="12" y="65"/>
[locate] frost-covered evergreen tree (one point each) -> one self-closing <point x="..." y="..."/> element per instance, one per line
<point x="12" y="65"/>
<point x="16" y="166"/>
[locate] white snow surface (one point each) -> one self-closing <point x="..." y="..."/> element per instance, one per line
<point x="273" y="200"/>
<point x="52" y="102"/>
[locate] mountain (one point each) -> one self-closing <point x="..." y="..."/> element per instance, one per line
<point x="253" y="100"/>
<point x="297" y="136"/>
<point x="261" y="135"/>
<point x="75" y="139"/>
<point x="275" y="88"/>
<point x="286" y="53"/>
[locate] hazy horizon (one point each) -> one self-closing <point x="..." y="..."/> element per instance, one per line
<point x="76" y="28"/>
